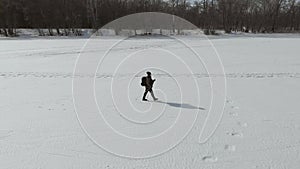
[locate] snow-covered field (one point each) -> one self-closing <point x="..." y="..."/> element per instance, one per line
<point x="260" y="127"/>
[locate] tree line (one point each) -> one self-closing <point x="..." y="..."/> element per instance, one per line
<point x="229" y="15"/>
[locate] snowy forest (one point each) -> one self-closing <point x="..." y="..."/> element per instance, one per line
<point x="257" y="16"/>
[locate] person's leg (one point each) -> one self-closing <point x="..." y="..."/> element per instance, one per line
<point x="152" y="94"/>
<point x="145" y="94"/>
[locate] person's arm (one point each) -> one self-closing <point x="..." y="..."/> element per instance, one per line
<point x="152" y="81"/>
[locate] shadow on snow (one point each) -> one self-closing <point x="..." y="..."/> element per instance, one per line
<point x="181" y="105"/>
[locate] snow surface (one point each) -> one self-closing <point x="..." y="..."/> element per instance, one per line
<point x="260" y="127"/>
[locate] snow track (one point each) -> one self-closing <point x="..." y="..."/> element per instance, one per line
<point x="70" y="75"/>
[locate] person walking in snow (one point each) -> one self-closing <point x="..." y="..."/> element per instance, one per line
<point x="148" y="82"/>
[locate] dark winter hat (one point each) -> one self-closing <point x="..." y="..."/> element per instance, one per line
<point x="149" y="73"/>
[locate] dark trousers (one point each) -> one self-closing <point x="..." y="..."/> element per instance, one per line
<point x="148" y="90"/>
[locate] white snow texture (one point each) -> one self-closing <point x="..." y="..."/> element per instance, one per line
<point x="260" y="127"/>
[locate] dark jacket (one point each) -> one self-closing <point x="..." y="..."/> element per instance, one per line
<point x="149" y="82"/>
